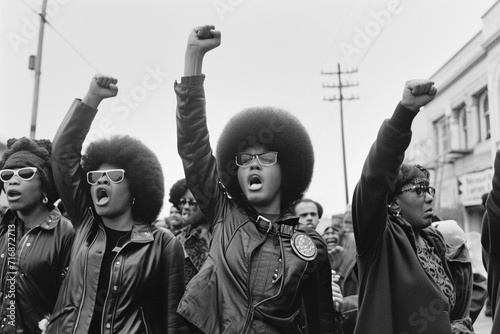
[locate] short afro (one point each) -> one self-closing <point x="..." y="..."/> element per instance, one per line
<point x="277" y="130"/>
<point x="142" y="170"/>
<point x="178" y="189"/>
<point x="319" y="207"/>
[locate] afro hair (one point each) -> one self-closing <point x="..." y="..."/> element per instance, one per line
<point x="41" y="159"/>
<point x="178" y="189"/>
<point x="142" y="170"/>
<point x="277" y="130"/>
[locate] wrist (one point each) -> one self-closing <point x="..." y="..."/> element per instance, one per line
<point x="410" y="106"/>
<point x="193" y="61"/>
<point x="92" y="100"/>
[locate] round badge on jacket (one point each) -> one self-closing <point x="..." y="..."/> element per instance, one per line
<point x="304" y="246"/>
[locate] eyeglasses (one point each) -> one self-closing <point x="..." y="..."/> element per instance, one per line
<point x="114" y="175"/>
<point x="420" y="189"/>
<point x="244" y="159"/>
<point x="188" y="201"/>
<point x="25" y="173"/>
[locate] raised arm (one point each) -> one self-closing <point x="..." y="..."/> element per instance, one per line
<point x="201" y="40"/>
<point x="381" y="167"/>
<point x="193" y="142"/>
<point x="67" y="146"/>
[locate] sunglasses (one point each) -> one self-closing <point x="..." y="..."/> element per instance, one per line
<point x="25" y="173"/>
<point x="244" y="159"/>
<point x="114" y="175"/>
<point x="188" y="201"/>
<point x="420" y="189"/>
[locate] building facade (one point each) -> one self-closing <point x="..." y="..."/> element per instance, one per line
<point x="457" y="135"/>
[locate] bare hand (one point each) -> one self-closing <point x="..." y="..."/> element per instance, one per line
<point x="417" y="93"/>
<point x="101" y="87"/>
<point x="336" y="292"/>
<point x="204" y="38"/>
<point x="201" y="40"/>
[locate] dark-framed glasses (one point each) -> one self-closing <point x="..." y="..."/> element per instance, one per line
<point x="244" y="159"/>
<point x="25" y="173"/>
<point x="114" y="175"/>
<point x="188" y="201"/>
<point x="420" y="189"/>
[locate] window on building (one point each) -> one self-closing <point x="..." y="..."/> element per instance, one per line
<point x="484" y="112"/>
<point x="442" y="128"/>
<point x="463" y="126"/>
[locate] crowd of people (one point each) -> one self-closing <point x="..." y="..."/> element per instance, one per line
<point x="82" y="249"/>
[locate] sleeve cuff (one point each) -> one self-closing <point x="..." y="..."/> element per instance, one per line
<point x="193" y="80"/>
<point x="402" y="118"/>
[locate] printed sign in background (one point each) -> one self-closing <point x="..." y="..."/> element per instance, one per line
<point x="472" y="186"/>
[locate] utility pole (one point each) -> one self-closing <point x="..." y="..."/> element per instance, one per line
<point x="341" y="98"/>
<point x="37" y="69"/>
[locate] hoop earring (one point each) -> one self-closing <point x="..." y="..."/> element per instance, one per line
<point x="397" y="213"/>
<point x="133" y="201"/>
<point x="45" y="200"/>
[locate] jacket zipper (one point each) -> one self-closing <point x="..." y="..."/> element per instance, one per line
<point x="109" y="287"/>
<point x="84" y="285"/>
<point x="251" y="311"/>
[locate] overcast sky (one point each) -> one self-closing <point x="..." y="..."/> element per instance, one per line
<point x="272" y="53"/>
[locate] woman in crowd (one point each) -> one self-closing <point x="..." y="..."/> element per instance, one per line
<point x="264" y="272"/>
<point x="195" y="236"/>
<point x="126" y="275"/>
<point x="35" y="239"/>
<point x="401" y="257"/>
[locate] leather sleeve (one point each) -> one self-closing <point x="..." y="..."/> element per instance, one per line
<point x="66" y="154"/>
<point x="193" y="145"/>
<point x="173" y="278"/>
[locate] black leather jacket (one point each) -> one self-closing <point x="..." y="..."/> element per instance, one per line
<point x="41" y="259"/>
<point x="147" y="276"/>
<point x="236" y="290"/>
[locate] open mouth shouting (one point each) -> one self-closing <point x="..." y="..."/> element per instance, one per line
<point x="101" y="196"/>
<point x="254" y="182"/>
<point x="13" y="195"/>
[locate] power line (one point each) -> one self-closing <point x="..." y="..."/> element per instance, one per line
<point x="29" y="7"/>
<point x="341" y="98"/>
<point x="65" y="40"/>
<point x="72" y="47"/>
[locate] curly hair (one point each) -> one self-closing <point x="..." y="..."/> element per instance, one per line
<point x="142" y="170"/>
<point x="24" y="152"/>
<point x="277" y="130"/>
<point x="178" y="189"/>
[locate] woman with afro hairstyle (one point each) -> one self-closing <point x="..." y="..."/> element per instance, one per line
<point x="126" y="275"/>
<point x="264" y="273"/>
<point x="35" y="239"/>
